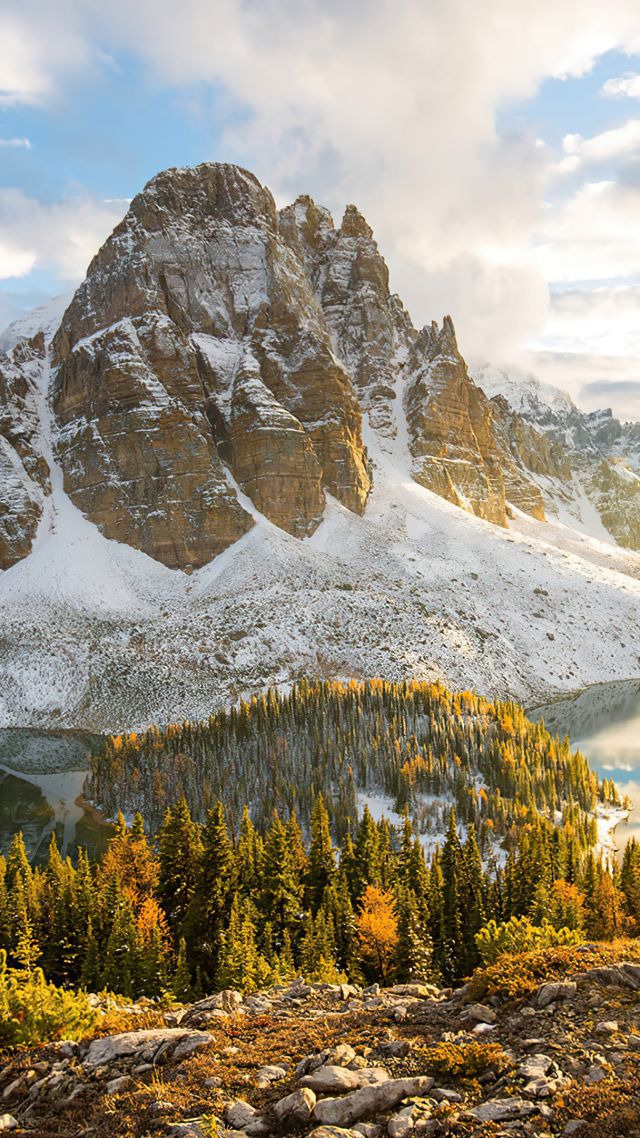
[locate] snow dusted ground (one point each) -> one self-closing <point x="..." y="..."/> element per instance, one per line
<point x="97" y="635"/>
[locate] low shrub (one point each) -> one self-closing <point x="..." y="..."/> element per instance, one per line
<point x="520" y="935"/>
<point x="32" y="1010"/>
<point x="515" y="976"/>
<point x="464" y="1062"/>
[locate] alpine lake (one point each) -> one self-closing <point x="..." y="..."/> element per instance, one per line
<point x="42" y="782"/>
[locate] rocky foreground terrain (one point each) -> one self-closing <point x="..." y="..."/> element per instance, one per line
<point x="505" y="1055"/>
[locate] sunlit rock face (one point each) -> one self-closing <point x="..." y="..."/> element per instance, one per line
<point x="195" y="359"/>
<point x="450" y="423"/>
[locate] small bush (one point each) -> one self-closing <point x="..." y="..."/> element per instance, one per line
<point x="34" y="1011"/>
<point x="520" y="935"/>
<point x="516" y="976"/>
<point x="464" y="1062"/>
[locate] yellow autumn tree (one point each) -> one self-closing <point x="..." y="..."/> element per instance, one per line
<point x="377" y="926"/>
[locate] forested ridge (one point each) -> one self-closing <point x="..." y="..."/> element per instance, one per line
<point x="257" y="867"/>
<point x="417" y="743"/>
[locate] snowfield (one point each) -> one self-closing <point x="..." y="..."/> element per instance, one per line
<point x="97" y="635"/>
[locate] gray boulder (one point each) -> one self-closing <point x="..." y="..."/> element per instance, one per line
<point x="143" y="1045"/>
<point x="369" y="1100"/>
<point x="296" y="1108"/>
<point x="333" y="1080"/>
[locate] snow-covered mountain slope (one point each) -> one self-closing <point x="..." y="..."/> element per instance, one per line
<point x="594" y="483"/>
<point x="100" y="635"/>
<point x="238" y="392"/>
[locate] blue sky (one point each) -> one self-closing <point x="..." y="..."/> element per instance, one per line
<point x="496" y="157"/>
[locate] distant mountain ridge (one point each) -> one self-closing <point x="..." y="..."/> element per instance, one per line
<point x="601" y="454"/>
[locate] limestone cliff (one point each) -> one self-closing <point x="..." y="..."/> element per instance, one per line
<point x="196" y="350"/>
<point x="24" y="473"/>
<point x="450" y="423"/>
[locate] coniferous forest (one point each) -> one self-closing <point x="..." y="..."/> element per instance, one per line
<point x="252" y="865"/>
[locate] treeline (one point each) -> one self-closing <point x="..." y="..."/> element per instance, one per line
<point x="417" y="743"/>
<point x="209" y="906"/>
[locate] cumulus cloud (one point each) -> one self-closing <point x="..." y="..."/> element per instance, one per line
<point x="61" y="237"/>
<point x="594" y="234"/>
<point x="624" y="86"/>
<point x="39" y="46"/>
<point x="388" y="103"/>
<point x="618" y="144"/>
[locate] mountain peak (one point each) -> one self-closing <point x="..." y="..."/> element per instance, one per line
<point x="354" y="224"/>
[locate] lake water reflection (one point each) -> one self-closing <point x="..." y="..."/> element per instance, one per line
<point x="604" y="723"/>
<point x="42" y="775"/>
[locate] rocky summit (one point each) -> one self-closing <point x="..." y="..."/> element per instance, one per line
<point x="194" y="365"/>
<point x="508" y="1056"/>
<point x="216" y="364"/>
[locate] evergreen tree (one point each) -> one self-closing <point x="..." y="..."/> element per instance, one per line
<point x="321" y="870"/>
<point x="414" y="954"/>
<point x="210" y="904"/>
<point x="282" y="887"/>
<point x="453" y="890"/>
<point x="180" y="848"/>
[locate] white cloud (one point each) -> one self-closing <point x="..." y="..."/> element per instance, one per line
<point x="61" y="237"/>
<point x="620" y="143"/>
<point x="17" y="143"/>
<point x="593" y="235"/>
<point x="40" y="45"/>
<point x="393" y="106"/>
<point x="601" y="321"/>
<point x="388" y="103"/>
<point x="592" y="380"/>
<point x="625" y="86"/>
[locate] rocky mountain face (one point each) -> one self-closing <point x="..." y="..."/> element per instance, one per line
<point x="592" y="458"/>
<point x="195" y="360"/>
<point x="24" y="471"/>
<point x="215" y="368"/>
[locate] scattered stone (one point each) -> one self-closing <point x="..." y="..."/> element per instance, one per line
<point x="333" y="1132"/>
<point x="606" y="1027"/>
<point x="162" y="1106"/>
<point x="479" y="1013"/>
<point x="20" y="1085"/>
<point x="296" y="1109"/>
<point x="240" y="1114"/>
<point x="503" y="1110"/>
<point x="442" y="1094"/>
<point x="142" y="1044"/>
<point x="8" y="1122"/>
<point x="221" y="1004"/>
<point x="369" y="1100"/>
<point x="334" y="1080"/>
<point x="122" y="1083"/>
<point x="400" y="1125"/>
<point x="553" y="991"/>
<point x="394" y="1048"/>
<point x="270" y="1074"/>
<point x="418" y="991"/>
